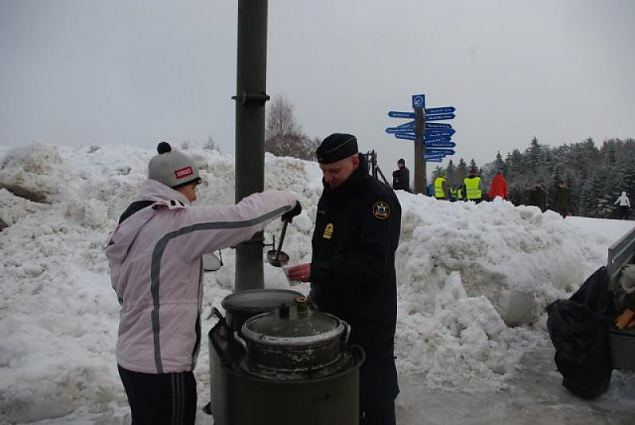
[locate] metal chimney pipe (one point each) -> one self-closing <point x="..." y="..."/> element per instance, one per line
<point x="251" y="76"/>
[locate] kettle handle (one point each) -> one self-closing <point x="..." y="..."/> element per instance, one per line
<point x="347" y="332"/>
<point x="241" y="341"/>
<point x="216" y="312"/>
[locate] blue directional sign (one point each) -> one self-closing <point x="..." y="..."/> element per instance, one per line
<point x="437" y="125"/>
<point x="438" y="140"/>
<point x="397" y="114"/>
<point x="442" y="110"/>
<point x="437" y="136"/>
<point x="442" y="151"/>
<point x="407" y="136"/>
<point x="409" y="124"/>
<point x="438" y="117"/>
<point x="444" y="144"/>
<point x="406" y="127"/>
<point x="418" y="101"/>
<point x="440" y="131"/>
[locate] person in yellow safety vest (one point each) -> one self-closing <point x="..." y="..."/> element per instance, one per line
<point x="456" y="193"/>
<point x="472" y="187"/>
<point x="453" y="193"/>
<point x="459" y="193"/>
<point x="440" y="188"/>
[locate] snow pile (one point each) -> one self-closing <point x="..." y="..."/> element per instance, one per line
<point x="461" y="267"/>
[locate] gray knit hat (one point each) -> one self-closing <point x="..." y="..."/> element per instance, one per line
<point x="172" y="168"/>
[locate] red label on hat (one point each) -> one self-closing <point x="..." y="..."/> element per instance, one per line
<point x="183" y="172"/>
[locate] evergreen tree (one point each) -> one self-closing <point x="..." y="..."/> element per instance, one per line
<point x="437" y="172"/>
<point x="461" y="171"/>
<point x="451" y="171"/>
<point x="533" y="154"/>
<point x="595" y="176"/>
<point x="499" y="164"/>
<point x="516" y="164"/>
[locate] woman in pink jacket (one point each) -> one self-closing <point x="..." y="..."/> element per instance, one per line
<point x="155" y="258"/>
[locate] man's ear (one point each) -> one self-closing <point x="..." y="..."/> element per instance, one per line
<point x="355" y="161"/>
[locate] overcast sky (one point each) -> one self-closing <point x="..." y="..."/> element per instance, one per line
<point x="139" y="71"/>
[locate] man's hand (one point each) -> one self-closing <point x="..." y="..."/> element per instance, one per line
<point x="301" y="272"/>
<point x="296" y="210"/>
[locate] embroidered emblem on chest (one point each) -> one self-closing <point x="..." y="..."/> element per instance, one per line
<point x="381" y="210"/>
<point x="328" y="231"/>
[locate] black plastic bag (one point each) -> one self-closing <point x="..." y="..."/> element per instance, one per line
<point x="578" y="328"/>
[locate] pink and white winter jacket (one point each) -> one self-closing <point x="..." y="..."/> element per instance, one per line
<point x="155" y="258"/>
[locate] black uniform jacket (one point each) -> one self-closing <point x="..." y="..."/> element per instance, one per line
<point x="353" y="263"/>
<point x="401" y="179"/>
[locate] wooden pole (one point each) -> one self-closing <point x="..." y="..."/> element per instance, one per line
<point x="420" y="150"/>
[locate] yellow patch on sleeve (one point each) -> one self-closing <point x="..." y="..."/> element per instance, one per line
<point x="381" y="210"/>
<point x="328" y="231"/>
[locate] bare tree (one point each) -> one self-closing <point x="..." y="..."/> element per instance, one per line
<point x="280" y="119"/>
<point x="211" y="145"/>
<point x="283" y="136"/>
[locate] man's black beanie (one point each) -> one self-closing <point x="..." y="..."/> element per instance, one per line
<point x="336" y="147"/>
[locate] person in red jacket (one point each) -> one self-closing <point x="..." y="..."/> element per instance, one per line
<point x="498" y="187"/>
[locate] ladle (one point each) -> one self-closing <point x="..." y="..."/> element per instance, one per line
<point x="276" y="257"/>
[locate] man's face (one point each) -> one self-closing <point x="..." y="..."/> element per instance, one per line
<point x="338" y="172"/>
<point x="401" y="165"/>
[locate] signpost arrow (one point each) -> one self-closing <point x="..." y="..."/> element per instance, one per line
<point x="407" y="136"/>
<point x="440" y="132"/>
<point x="437" y="140"/>
<point x="397" y="114"/>
<point x="409" y="124"/>
<point x="442" y="151"/>
<point x="438" y="117"/>
<point x="403" y="128"/>
<point x="443" y="144"/>
<point x="437" y="125"/>
<point x="442" y="110"/>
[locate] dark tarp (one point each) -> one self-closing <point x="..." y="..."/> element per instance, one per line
<point x="578" y="328"/>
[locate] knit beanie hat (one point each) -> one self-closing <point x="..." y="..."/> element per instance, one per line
<point x="172" y="168"/>
<point x="336" y="147"/>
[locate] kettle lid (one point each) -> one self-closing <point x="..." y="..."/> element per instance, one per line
<point x="293" y="322"/>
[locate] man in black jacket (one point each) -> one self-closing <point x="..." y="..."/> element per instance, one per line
<point x="352" y="269"/>
<point x="401" y="176"/>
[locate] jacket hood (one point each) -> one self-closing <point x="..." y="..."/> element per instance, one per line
<point x="152" y="190"/>
<point x="124" y="235"/>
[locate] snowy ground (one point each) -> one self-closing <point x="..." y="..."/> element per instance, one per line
<point x="466" y="273"/>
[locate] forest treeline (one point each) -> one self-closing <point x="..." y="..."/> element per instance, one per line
<point x="595" y="175"/>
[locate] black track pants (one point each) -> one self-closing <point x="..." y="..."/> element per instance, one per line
<point x="160" y="399"/>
